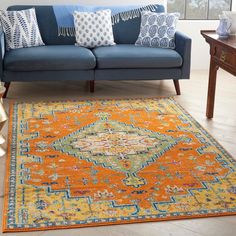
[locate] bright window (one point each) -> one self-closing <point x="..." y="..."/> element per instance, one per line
<point x="199" y="9"/>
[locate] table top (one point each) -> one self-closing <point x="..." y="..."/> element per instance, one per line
<point x="211" y="35"/>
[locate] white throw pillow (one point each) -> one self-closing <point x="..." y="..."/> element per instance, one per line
<point x="93" y="29"/>
<point x="21" y="29"/>
<point x="157" y="29"/>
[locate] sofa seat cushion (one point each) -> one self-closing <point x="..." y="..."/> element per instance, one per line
<point x="131" y="56"/>
<point x="50" y="58"/>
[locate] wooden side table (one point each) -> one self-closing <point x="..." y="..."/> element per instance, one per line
<point x="223" y="55"/>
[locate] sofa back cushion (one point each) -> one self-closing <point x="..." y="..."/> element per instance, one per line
<point x="125" y="32"/>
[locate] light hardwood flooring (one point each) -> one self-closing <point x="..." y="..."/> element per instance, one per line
<point x="193" y="99"/>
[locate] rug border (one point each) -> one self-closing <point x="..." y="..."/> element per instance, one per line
<point x="13" y="102"/>
<point x="203" y="128"/>
<point x="7" y="173"/>
<point x="5" y="230"/>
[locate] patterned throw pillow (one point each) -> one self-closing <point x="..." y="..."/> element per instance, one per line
<point x="93" y="29"/>
<point x="158" y="30"/>
<point x="21" y="29"/>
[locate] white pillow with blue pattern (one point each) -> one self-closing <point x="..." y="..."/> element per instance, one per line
<point x="21" y="29"/>
<point x="93" y="29"/>
<point x="157" y="30"/>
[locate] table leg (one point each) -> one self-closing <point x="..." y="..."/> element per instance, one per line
<point x="211" y="89"/>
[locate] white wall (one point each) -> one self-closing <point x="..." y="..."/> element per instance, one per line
<point x="234" y="5"/>
<point x="200" y="49"/>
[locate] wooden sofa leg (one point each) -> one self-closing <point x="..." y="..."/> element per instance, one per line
<point x="91" y="85"/>
<point x="177" y="87"/>
<point x="6" y="85"/>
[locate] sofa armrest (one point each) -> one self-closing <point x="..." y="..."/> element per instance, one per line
<point x="183" y="47"/>
<point x="2" y="52"/>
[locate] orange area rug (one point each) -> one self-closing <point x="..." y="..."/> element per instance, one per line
<point x="102" y="162"/>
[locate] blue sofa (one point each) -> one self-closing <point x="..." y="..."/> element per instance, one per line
<point x="60" y="59"/>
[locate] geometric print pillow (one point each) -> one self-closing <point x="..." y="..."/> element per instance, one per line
<point x="93" y="29"/>
<point x="21" y="29"/>
<point x="157" y="30"/>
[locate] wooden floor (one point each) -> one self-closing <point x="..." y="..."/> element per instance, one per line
<point x="193" y="99"/>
